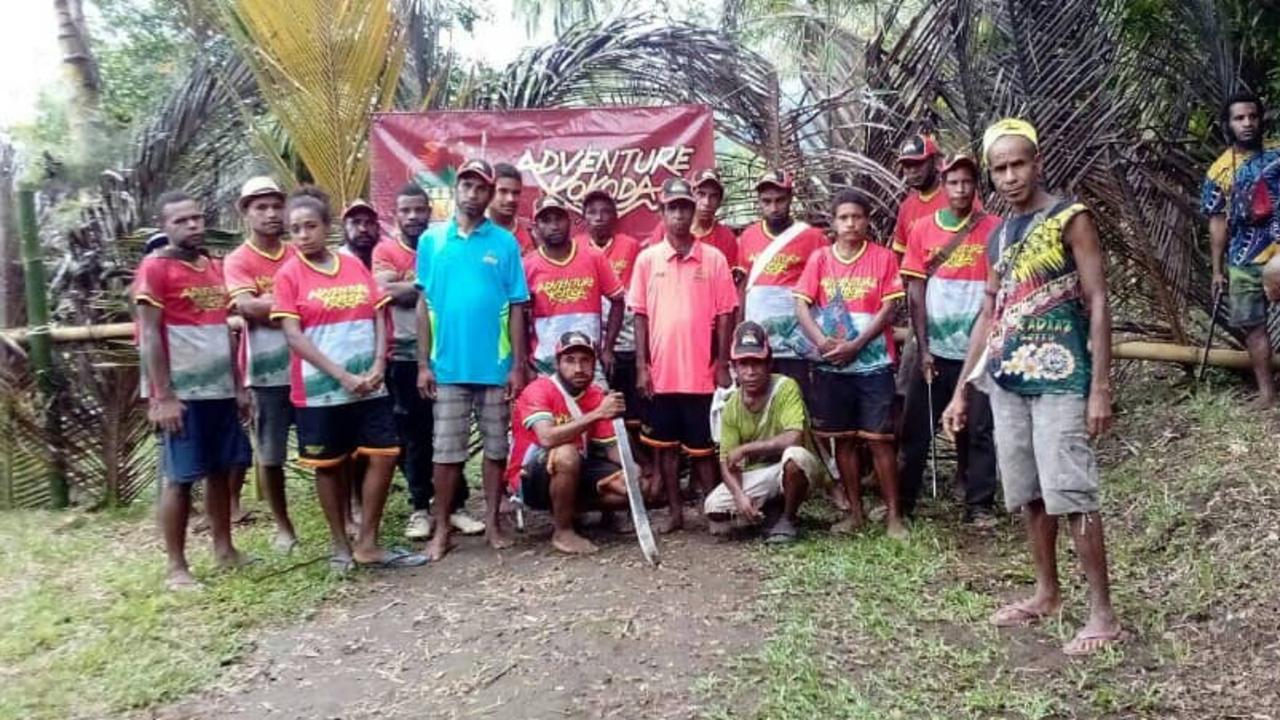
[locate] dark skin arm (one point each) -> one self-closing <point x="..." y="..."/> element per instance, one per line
<point x="1082" y="236"/>
<point x="843" y="352"/>
<point x="956" y="414"/>
<point x="612" y="326"/>
<point x="1218" y="237"/>
<point x="723" y="337"/>
<point x="644" y="384"/>
<point x="254" y="308"/>
<point x="403" y="292"/>
<point x="517" y="378"/>
<point x="165" y="410"/>
<point x="919" y="323"/>
<point x="810" y="328"/>
<point x="732" y="465"/>
<point x="302" y="345"/>
<point x="426" y="376"/>
<point x="551" y="435"/>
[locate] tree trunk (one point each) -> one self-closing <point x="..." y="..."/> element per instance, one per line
<point x="12" y="305"/>
<point x="82" y="72"/>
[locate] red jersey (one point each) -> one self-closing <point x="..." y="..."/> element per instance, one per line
<point x="523" y="232"/>
<point x="916" y="206"/>
<point x="392" y="255"/>
<point x="955" y="292"/>
<point x="192" y="298"/>
<point x="621" y="252"/>
<point x="337" y="310"/>
<point x="566" y="295"/>
<point x="542" y="400"/>
<point x="264" y="354"/>
<point x="768" y="298"/>
<point x="864" y="282"/>
<point x="719" y="237"/>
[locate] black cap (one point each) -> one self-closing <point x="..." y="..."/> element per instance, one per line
<point x="749" y="341"/>
<point x="676" y="189"/>
<point x="549" y="202"/>
<point x="574" y="339"/>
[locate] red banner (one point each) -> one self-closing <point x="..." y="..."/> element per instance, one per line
<point x="628" y="151"/>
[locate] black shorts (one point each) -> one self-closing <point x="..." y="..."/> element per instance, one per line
<point x="797" y="369"/>
<point x="535" y="480"/>
<point x="623" y="380"/>
<point x="680" y="420"/>
<point x="843" y="405"/>
<point x="330" y="434"/>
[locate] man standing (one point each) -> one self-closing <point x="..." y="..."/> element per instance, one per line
<point x="360" y="231"/>
<point x="565" y="454"/>
<point x="1245" y="231"/>
<point x="394" y="267"/>
<point x="763" y="457"/>
<point x="194" y="384"/>
<point x="774" y="252"/>
<point x="679" y="290"/>
<point x="1046" y="328"/>
<point x="506" y="202"/>
<point x="708" y="195"/>
<point x="918" y="159"/>
<point x="250" y="272"/>
<point x="567" y="283"/>
<point x="946" y="270"/>
<point x="471" y="360"/>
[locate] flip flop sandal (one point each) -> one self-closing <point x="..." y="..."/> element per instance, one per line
<point x="397" y="558"/>
<point x="1083" y="645"/>
<point x="1016" y="615"/>
<point x="341" y="565"/>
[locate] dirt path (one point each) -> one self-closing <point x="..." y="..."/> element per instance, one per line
<point x="521" y="634"/>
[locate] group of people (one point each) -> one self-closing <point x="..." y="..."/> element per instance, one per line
<point x="763" y="363"/>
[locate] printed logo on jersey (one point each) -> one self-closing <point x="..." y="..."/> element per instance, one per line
<point x="342" y="297"/>
<point x="849" y="288"/>
<point x="566" y="290"/>
<point x="206" y="297"/>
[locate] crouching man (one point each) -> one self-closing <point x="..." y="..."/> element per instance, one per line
<point x="765" y="467"/>
<point x="565" y="456"/>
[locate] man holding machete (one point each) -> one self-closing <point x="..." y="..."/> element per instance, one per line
<point x="565" y="456"/>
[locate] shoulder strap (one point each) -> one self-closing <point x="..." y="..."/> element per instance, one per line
<point x="957" y="238"/>
<point x="773" y="248"/>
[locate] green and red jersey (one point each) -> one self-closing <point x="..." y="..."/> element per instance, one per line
<point x="863" y="283"/>
<point x="567" y="295"/>
<point x="621" y="252"/>
<point x="392" y="255"/>
<point x="337" y="309"/>
<point x="192" y="298"/>
<point x="955" y="292"/>
<point x="264" y="354"/>
<point x="542" y="400"/>
<point x="768" y="297"/>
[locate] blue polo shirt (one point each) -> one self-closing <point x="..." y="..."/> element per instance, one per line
<point x="470" y="283"/>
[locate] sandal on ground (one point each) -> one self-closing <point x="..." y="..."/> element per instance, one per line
<point x="781" y="532"/>
<point x="341" y="565"/>
<point x="1084" y="644"/>
<point x="1018" y="615"/>
<point x="396" y="558"/>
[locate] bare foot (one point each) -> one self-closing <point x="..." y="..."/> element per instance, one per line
<point x="1025" y="612"/>
<point x="571" y="543"/>
<point x="895" y="529"/>
<point x="1262" y="403"/>
<point x="673" y="521"/>
<point x="839" y="499"/>
<point x="240" y="516"/>
<point x="439" y="546"/>
<point x="284" y="542"/>
<point x="849" y="525"/>
<point x="1095" y="636"/>
<point x="234" y="560"/>
<point x="181" y="580"/>
<point x="496" y="538"/>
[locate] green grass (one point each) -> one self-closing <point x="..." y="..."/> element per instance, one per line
<point x="86" y="628"/>
<point x="870" y="628"/>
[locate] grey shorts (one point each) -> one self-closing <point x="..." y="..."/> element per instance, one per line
<point x="454" y="408"/>
<point x="1042" y="446"/>
<point x="272" y="416"/>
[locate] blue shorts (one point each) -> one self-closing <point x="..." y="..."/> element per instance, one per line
<point x="211" y="441"/>
<point x="273" y="416"/>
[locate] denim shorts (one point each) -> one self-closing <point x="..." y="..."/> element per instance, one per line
<point x="212" y="440"/>
<point x="273" y="414"/>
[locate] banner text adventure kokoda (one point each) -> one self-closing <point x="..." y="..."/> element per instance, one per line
<point x="628" y="152"/>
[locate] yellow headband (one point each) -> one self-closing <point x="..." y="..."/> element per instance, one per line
<point x="1005" y="127"/>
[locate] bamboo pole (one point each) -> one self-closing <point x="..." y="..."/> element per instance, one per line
<point x="38" y="340"/>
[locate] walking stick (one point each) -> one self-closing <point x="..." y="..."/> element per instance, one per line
<point x="1213" y="325"/>
<point x="933" y="439"/>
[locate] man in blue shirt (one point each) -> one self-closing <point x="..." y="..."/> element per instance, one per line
<point x="471" y="310"/>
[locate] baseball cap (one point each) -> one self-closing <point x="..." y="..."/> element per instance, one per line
<point x="775" y="178"/>
<point x="958" y="160"/>
<point x="709" y="175"/>
<point x="598" y="193"/>
<point x="1008" y="126"/>
<point x="917" y="148"/>
<point x="480" y="168"/>
<point x="676" y="189"/>
<point x="574" y="339"/>
<point x="549" y="202"/>
<point x="357" y="205"/>
<point x="749" y="341"/>
<point x="258" y="187"/>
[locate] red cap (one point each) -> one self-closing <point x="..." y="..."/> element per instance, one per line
<point x="775" y="178"/>
<point x="356" y="205"/>
<point x="479" y="168"/>
<point x="709" y="175"/>
<point x="917" y="148"/>
<point x="549" y="202"/>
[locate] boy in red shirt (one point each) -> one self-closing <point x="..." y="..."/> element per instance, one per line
<point x="773" y="253"/>
<point x="845" y="300"/>
<point x="680" y="289"/>
<point x="195" y="393"/>
<point x="565" y="461"/>
<point x="508" y="186"/>
<point x="567" y="283"/>
<point x="264" y="355"/>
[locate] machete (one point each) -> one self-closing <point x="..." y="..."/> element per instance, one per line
<point x="631" y="475"/>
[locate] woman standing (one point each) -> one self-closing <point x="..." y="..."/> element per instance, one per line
<point x="334" y="319"/>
